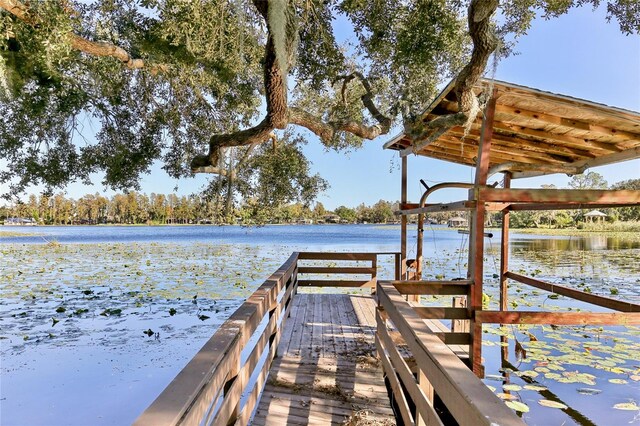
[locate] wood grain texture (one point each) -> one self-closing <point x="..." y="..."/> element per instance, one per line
<point x="326" y="372"/>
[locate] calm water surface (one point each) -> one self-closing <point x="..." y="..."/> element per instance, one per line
<point x="76" y="301"/>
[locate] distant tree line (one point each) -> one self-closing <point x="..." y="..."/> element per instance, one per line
<point x="139" y="208"/>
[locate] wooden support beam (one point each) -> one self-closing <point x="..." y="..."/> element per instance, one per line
<point x="513" y="166"/>
<point x="605" y="302"/>
<point x="504" y="127"/>
<point x="504" y="249"/>
<point x="558" y="137"/>
<point x="569" y="123"/>
<point x="334" y="270"/>
<point x="337" y="283"/>
<point x="432" y="287"/>
<point x="459" y="325"/>
<point x="617" y="157"/>
<point x="309" y="255"/>
<point x="452" y="158"/>
<point x="466" y="150"/>
<point x="511" y="151"/>
<point x="507" y="138"/>
<point x="555" y="206"/>
<point x="407" y="206"/>
<point x="441" y="313"/>
<point x="450" y="207"/>
<point x="579" y="197"/>
<point x="403" y="220"/>
<point x="558" y="318"/>
<point x="476" y="239"/>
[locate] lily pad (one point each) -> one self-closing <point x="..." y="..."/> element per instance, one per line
<point x="512" y="387"/>
<point x="506" y="396"/>
<point x="536" y="388"/>
<point x="518" y="406"/>
<point x="629" y="406"/>
<point x="552" y="404"/>
<point x="618" y="381"/>
<point x="589" y="391"/>
<point x="528" y="373"/>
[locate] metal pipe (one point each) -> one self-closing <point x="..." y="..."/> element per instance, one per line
<point x="423" y="201"/>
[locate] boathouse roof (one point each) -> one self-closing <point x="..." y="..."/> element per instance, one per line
<point x="534" y="132"/>
<point x="595" y="213"/>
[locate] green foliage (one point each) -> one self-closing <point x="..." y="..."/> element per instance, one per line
<point x="627" y="213"/>
<point x="346" y="213"/>
<point x="66" y="114"/>
<point x="590" y="180"/>
<point x="280" y="175"/>
<point x="416" y="45"/>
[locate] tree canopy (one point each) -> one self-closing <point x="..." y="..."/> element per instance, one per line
<point x="113" y="85"/>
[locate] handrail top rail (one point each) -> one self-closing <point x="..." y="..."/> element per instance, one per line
<point x="177" y="398"/>
<point x="327" y="255"/>
<point x="462" y="392"/>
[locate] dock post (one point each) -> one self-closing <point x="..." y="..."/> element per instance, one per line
<point x="504" y="248"/>
<point x="476" y="241"/>
<point x="403" y="221"/>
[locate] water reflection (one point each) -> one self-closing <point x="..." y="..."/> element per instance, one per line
<point x="587" y="242"/>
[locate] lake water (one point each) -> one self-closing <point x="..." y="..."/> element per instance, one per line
<point x="76" y="302"/>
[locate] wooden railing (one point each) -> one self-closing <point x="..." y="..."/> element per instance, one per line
<point x="370" y="270"/>
<point x="430" y="367"/>
<point x="627" y="312"/>
<point x="209" y="389"/>
<point x="223" y="382"/>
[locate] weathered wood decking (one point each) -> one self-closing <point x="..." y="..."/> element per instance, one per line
<point x="326" y="371"/>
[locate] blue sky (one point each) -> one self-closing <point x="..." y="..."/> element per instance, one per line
<point x="579" y="55"/>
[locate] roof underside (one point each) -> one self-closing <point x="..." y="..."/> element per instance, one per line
<point x="534" y="133"/>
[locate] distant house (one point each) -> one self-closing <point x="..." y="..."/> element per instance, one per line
<point x="20" y="221"/>
<point x="457" y="222"/>
<point x="595" y="215"/>
<point x="332" y="218"/>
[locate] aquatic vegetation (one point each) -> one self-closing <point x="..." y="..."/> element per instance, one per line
<point x="630" y="406"/>
<point x="552" y="404"/>
<point x="518" y="406"/>
<point x="142" y="310"/>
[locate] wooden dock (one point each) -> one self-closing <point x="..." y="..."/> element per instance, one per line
<point x="289" y="358"/>
<point x="326" y="370"/>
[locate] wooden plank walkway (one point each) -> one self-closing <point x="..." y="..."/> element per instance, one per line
<point x="326" y="371"/>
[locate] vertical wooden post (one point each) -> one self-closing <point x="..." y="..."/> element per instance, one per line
<point x="476" y="240"/>
<point x="233" y="374"/>
<point x="504" y="249"/>
<point x="427" y="388"/>
<point x="459" y="326"/>
<point x="419" y="247"/>
<point x="398" y="271"/>
<point x="403" y="221"/>
<point x="374" y="274"/>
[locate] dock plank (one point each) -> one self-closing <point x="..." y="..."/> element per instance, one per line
<point x="325" y="375"/>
